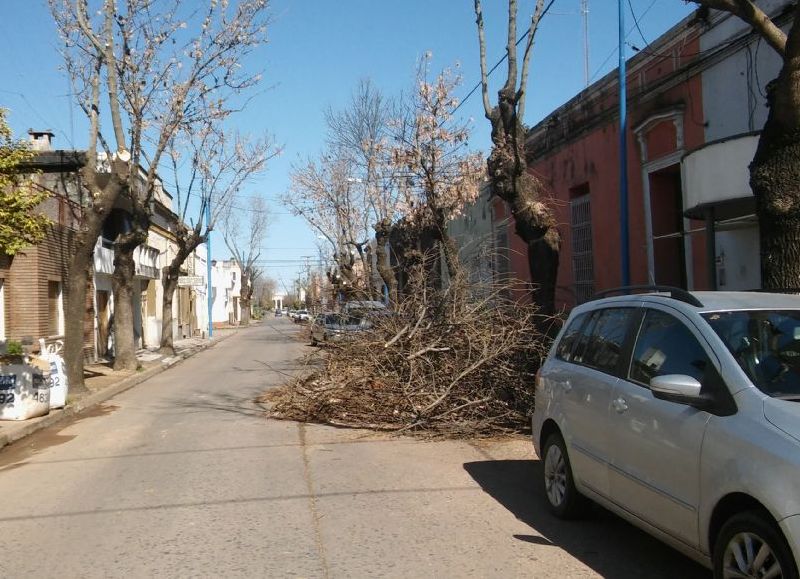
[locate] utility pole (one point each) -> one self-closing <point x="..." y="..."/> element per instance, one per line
<point x="208" y="269"/>
<point x="623" y="152"/>
<point x="309" y="299"/>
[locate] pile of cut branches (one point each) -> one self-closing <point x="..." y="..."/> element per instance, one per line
<point x="451" y="363"/>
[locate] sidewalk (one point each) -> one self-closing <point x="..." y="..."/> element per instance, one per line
<point x="102" y="383"/>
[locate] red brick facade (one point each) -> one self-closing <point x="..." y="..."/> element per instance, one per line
<point x="34" y="280"/>
<point x="574" y="152"/>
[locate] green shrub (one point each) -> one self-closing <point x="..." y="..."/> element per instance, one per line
<point x="14" y="348"/>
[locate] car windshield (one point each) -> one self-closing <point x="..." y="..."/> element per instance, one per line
<point x="766" y="344"/>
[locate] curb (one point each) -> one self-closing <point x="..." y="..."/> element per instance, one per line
<point x="28" y="427"/>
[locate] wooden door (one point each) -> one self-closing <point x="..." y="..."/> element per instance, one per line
<point x="102" y="323"/>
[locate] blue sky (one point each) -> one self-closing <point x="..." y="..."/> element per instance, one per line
<point x="317" y="53"/>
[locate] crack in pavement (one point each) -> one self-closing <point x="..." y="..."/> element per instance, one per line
<point x="312" y="500"/>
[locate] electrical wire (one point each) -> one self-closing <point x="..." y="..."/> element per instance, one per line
<point x="758" y="81"/>
<point x="636" y="22"/>
<point x="614" y="51"/>
<point x="502" y="60"/>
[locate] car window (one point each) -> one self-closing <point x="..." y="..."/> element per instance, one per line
<point x="604" y="346"/>
<point x="766" y="344"/>
<point x="666" y="346"/>
<point x="571" y="334"/>
<point x="583" y="339"/>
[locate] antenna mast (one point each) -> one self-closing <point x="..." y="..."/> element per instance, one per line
<point x="585" y="17"/>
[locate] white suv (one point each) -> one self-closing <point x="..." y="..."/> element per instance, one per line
<point x="681" y="413"/>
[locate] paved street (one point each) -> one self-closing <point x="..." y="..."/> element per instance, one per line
<point x="183" y="477"/>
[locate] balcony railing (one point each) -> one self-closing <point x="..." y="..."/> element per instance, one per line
<point x="145" y="257"/>
<point x="103" y="256"/>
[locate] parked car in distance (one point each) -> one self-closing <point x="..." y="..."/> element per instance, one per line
<point x="292" y="313"/>
<point x="333" y="327"/>
<point x="301" y="316"/>
<point x="363" y="306"/>
<point x="278" y="313"/>
<point x="680" y="412"/>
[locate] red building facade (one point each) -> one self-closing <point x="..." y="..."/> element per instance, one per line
<point x="574" y="151"/>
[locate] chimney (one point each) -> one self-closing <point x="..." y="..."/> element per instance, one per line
<point x="41" y="140"/>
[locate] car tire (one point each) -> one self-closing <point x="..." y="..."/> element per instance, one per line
<point x="752" y="538"/>
<point x="563" y="498"/>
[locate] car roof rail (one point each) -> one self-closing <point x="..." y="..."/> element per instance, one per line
<point x="675" y="293"/>
<point x="783" y="290"/>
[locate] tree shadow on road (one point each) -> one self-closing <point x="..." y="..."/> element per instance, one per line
<point x="604" y="542"/>
<point x="222" y="402"/>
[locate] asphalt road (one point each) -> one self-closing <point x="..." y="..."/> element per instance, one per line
<point x="182" y="476"/>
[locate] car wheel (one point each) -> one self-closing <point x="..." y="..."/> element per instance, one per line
<point x="751" y="545"/>
<point x="563" y="498"/>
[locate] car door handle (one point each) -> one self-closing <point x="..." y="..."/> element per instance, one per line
<point x="620" y="405"/>
<point x="566" y="385"/>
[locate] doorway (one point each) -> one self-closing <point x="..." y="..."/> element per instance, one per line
<point x="666" y="214"/>
<point x="103" y="323"/>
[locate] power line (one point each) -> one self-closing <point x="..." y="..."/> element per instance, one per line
<point x="501" y="61"/>
<point x="636" y="23"/>
<point x="614" y="51"/>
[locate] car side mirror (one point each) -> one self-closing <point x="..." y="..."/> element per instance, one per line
<point x="678" y="388"/>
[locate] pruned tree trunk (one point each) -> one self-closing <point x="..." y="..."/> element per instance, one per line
<point x="245" y="304"/>
<point x="382" y="231"/>
<point x="534" y="221"/>
<point x="122" y="284"/>
<point x="245" y="298"/>
<point x="410" y="259"/>
<point x="170" y="281"/>
<point x="80" y="266"/>
<point x="75" y="306"/>
<point x="775" y="176"/>
<point x="74" y="311"/>
<point x="169" y="278"/>
<point x="449" y="249"/>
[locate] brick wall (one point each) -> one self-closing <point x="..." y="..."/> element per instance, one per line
<point x="26" y="277"/>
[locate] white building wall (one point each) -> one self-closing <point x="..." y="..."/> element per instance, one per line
<point x="199" y="268"/>
<point x="226" y="280"/>
<point x="734" y="89"/>
<point x="738" y="259"/>
<point x="734" y="103"/>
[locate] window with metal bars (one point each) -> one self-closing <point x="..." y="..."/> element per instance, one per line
<point x="582" y="255"/>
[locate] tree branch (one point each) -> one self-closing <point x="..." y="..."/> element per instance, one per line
<point x="487" y="107"/>
<point x="526" y="59"/>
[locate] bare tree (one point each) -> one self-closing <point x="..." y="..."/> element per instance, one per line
<point x="244" y="231"/>
<point x="137" y="63"/>
<point x="327" y="194"/>
<point x="431" y="149"/>
<point x="264" y="291"/>
<point x="775" y="170"/>
<point x="220" y="163"/>
<point x="534" y="219"/>
<point x="361" y="131"/>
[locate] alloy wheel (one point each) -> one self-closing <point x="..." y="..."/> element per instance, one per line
<point x="748" y="556"/>
<point x="555" y="475"/>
